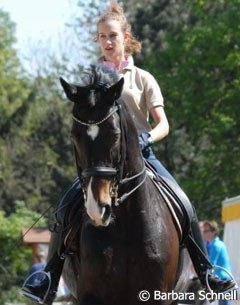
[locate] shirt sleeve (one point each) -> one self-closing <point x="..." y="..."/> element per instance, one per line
<point x="152" y="91"/>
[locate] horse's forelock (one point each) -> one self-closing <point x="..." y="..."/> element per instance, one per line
<point x="99" y="77"/>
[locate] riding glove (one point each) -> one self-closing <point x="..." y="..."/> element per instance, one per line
<point x="145" y="140"/>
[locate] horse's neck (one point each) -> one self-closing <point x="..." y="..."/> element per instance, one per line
<point x="134" y="161"/>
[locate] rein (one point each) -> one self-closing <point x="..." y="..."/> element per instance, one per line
<point x="125" y="180"/>
<point x="103" y="171"/>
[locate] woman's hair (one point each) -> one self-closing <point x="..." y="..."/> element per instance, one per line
<point x="115" y="12"/>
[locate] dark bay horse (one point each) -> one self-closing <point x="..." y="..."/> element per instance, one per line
<point x="128" y="248"/>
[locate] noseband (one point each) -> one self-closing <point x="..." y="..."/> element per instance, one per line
<point x="109" y="172"/>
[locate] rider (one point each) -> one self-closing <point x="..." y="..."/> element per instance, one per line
<point x="143" y="95"/>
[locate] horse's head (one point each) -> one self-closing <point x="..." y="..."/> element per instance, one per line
<point x="96" y="134"/>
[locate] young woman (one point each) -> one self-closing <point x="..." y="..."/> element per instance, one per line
<point x="143" y="96"/>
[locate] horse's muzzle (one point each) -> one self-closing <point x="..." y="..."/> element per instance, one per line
<point x="98" y="200"/>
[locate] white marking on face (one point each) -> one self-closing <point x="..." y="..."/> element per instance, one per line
<point x="92" y="206"/>
<point x="93" y="131"/>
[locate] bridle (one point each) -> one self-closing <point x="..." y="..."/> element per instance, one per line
<point x="109" y="172"/>
<point x="98" y="170"/>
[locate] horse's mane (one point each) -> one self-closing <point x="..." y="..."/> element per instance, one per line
<point x="99" y="76"/>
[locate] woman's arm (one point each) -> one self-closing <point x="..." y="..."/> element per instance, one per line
<point x="161" y="129"/>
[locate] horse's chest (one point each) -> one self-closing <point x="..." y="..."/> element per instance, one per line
<point x="100" y="251"/>
<point x="114" y="253"/>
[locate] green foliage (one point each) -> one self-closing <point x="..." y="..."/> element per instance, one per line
<point x="38" y="152"/>
<point x="153" y="19"/>
<point x="12" y="94"/>
<point x="199" y="75"/>
<point x="198" y="70"/>
<point x="36" y="159"/>
<point x="15" y="257"/>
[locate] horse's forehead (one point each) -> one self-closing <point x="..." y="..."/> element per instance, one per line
<point x="95" y="129"/>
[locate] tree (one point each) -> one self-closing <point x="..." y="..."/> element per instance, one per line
<point x="199" y="75"/>
<point x="11" y="86"/>
<point x="15" y="258"/>
<point x="14" y="91"/>
<point x="37" y="162"/>
<point x="152" y="20"/>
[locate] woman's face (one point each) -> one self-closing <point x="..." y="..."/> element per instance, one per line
<point x="111" y="40"/>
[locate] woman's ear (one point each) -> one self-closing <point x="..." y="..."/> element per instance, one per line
<point x="126" y="37"/>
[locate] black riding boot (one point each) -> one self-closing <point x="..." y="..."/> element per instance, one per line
<point x="70" y="208"/>
<point x="202" y="265"/>
<point x="45" y="291"/>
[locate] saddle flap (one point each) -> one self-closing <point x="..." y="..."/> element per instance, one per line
<point x="176" y="200"/>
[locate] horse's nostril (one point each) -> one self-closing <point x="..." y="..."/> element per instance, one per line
<point x="106" y="213"/>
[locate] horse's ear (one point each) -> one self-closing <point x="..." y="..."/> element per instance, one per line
<point x="115" y="90"/>
<point x="69" y="89"/>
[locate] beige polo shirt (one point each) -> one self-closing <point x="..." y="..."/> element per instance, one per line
<point x="141" y="93"/>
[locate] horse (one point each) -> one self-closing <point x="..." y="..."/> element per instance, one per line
<point x="128" y="248"/>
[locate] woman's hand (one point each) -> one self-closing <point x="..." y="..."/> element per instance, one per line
<point x="145" y="140"/>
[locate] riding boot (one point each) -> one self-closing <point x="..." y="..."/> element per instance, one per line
<point x="201" y="263"/>
<point x="45" y="291"/>
<point x="70" y="207"/>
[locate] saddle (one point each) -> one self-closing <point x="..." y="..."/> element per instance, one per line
<point x="175" y="199"/>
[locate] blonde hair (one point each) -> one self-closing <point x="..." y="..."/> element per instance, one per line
<point x="115" y="12"/>
<point x="212" y="225"/>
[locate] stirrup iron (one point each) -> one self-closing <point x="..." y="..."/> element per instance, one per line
<point x="35" y="298"/>
<point x="211" y="271"/>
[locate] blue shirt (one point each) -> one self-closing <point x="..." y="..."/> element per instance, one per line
<point x="218" y="255"/>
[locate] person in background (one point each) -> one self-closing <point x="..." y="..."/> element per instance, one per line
<point x="143" y="96"/>
<point x="34" y="275"/>
<point x="217" y="251"/>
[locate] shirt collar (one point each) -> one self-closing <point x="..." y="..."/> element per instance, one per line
<point x="125" y="64"/>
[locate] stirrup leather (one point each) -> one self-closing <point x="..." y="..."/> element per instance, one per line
<point x="211" y="271"/>
<point x="30" y="295"/>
